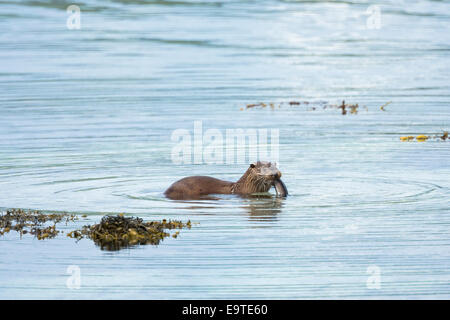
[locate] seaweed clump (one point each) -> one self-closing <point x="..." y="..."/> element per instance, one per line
<point x="272" y="105"/>
<point x="423" y="137"/>
<point x="36" y="223"/>
<point x="314" y="105"/>
<point x="117" y="232"/>
<point x="344" y="107"/>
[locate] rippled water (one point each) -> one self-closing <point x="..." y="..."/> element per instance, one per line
<point x="86" y="118"/>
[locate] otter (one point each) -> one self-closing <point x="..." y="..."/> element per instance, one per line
<point x="259" y="177"/>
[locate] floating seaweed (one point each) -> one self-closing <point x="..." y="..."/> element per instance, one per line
<point x="408" y="138"/>
<point x="423" y="137"/>
<point x="382" y="108"/>
<point x="273" y="104"/>
<point x="33" y="222"/>
<point x="117" y="232"/>
<point x="344" y="107"/>
<point x="112" y="233"/>
<point x="261" y="104"/>
<point x="352" y="108"/>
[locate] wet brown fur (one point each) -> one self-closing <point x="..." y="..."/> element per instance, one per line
<point x="259" y="177"/>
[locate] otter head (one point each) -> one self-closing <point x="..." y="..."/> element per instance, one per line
<point x="260" y="177"/>
<point x="265" y="170"/>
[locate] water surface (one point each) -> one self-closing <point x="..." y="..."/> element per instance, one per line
<point x="86" y="118"/>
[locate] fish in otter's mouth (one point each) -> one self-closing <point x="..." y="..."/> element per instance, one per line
<point x="280" y="188"/>
<point x="271" y="177"/>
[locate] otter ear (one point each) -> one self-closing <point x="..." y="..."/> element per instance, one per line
<point x="252" y="165"/>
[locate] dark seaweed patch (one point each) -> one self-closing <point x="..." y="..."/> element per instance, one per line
<point x="36" y="223"/>
<point x="117" y="232"/>
<point x="313" y="105"/>
<point x="112" y="233"/>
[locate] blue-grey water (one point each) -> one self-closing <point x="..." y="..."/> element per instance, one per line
<point x="87" y="115"/>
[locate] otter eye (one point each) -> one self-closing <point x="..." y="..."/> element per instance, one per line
<point x="252" y="165"/>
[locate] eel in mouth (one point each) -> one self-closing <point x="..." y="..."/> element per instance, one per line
<point x="280" y="187"/>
